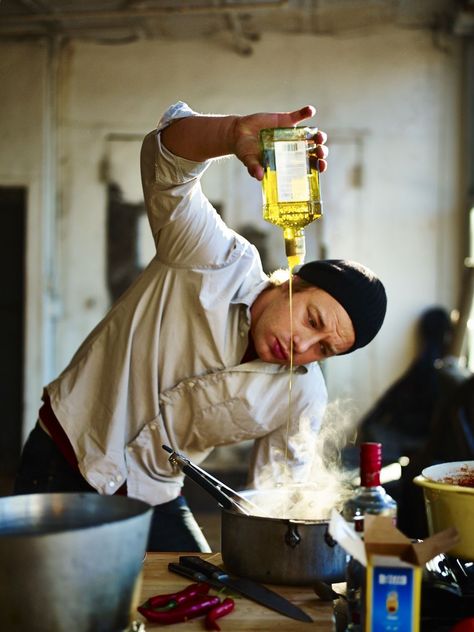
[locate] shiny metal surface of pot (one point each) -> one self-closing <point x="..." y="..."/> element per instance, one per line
<point x="280" y="551"/>
<point x="70" y="562"/>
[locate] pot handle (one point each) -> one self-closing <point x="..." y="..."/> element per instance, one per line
<point x="329" y="539"/>
<point x="292" y="537"/>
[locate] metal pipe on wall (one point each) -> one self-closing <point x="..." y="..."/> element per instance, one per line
<point x="172" y="9"/>
<point x="50" y="300"/>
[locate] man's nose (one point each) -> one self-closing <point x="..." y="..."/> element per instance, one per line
<point x="301" y="344"/>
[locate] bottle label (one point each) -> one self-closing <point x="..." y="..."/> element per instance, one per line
<point x="291" y="171"/>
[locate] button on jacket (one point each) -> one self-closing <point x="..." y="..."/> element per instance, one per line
<point x="163" y="366"/>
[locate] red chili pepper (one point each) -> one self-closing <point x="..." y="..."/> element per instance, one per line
<point x="217" y="612"/>
<point x="191" y="609"/>
<point x="187" y="593"/>
<point x="168" y="606"/>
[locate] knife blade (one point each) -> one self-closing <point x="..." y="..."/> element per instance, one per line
<point x="246" y="587"/>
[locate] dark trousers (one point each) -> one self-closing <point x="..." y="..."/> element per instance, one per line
<point x="43" y="469"/>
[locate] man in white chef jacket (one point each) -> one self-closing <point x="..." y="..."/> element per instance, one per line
<point x="196" y="353"/>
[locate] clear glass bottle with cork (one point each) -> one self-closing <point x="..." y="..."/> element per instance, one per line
<point x="291" y="186"/>
<point x="368" y="498"/>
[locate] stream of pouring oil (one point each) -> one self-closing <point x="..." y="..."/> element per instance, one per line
<point x="292" y="261"/>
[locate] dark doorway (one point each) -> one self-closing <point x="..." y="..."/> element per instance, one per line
<point x="12" y="318"/>
<point x="122" y="242"/>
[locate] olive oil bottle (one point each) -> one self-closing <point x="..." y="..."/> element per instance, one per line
<point x="291" y="187"/>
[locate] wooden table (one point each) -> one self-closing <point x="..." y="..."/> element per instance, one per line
<point x="248" y="616"/>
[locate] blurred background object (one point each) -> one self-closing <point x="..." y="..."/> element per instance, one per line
<point x="401" y="418"/>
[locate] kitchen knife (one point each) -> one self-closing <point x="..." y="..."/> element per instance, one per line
<point x="246" y="587"/>
<point x="184" y="571"/>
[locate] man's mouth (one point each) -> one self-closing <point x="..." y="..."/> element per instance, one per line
<point x="279" y="351"/>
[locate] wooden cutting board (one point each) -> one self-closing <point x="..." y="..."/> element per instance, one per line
<point x="248" y="615"/>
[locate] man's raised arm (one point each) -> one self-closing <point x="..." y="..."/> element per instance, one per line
<point x="203" y="137"/>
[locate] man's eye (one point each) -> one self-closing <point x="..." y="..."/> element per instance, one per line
<point x="312" y="322"/>
<point x="324" y="350"/>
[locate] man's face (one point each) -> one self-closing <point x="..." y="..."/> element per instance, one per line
<point x="321" y="326"/>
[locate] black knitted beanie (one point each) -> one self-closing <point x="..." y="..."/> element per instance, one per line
<point x="356" y="288"/>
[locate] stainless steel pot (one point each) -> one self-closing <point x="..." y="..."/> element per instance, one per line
<point x="280" y="550"/>
<point x="70" y="562"/>
<point x="266" y="549"/>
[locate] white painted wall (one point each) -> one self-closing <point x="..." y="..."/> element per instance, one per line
<point x="389" y="100"/>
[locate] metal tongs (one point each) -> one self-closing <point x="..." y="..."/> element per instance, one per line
<point x="225" y="496"/>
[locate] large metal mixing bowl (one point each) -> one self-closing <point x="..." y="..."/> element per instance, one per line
<point x="70" y="562"/>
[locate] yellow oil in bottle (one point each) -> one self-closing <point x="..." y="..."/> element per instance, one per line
<point x="291" y="186"/>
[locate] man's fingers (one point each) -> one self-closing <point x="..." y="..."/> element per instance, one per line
<point x="322" y="165"/>
<point x="321" y="137"/>
<point x="322" y="151"/>
<point x="248" y="127"/>
<point x="303" y="113"/>
<point x="254" y="168"/>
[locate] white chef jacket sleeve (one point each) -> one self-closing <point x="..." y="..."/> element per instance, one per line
<point x="186" y="228"/>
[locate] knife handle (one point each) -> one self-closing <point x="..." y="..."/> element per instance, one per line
<point x="198" y="564"/>
<point x="185" y="571"/>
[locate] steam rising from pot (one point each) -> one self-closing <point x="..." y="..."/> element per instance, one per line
<point x="312" y="482"/>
